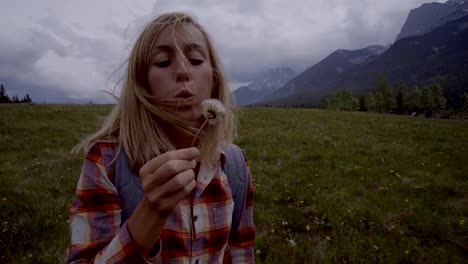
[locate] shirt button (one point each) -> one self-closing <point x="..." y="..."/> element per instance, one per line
<point x="195" y="218"/>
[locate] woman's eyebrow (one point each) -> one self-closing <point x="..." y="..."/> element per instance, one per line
<point x="189" y="47"/>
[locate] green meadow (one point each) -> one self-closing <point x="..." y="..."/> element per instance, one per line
<point x="330" y="187"/>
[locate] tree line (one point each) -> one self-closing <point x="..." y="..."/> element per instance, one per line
<point x="427" y="100"/>
<point x="5" y="99"/>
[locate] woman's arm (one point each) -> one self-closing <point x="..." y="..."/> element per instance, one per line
<point x="95" y="231"/>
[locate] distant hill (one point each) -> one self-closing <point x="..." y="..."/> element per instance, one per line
<point x="264" y="85"/>
<point x="431" y="15"/>
<point x="438" y="56"/>
<point x="314" y="79"/>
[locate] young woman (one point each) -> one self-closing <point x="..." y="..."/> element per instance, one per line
<point x="152" y="186"/>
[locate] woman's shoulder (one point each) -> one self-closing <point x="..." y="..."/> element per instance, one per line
<point x="103" y="151"/>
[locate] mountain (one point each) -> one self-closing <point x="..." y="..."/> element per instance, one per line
<point x="431" y="15"/>
<point x="326" y="71"/>
<point x="438" y="56"/>
<point x="263" y="86"/>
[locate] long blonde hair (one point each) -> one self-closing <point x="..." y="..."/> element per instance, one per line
<point x="138" y="119"/>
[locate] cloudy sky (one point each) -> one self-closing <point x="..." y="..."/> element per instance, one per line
<point x="70" y="51"/>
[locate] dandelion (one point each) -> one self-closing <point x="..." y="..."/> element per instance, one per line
<point x="292" y="243"/>
<point x="213" y="111"/>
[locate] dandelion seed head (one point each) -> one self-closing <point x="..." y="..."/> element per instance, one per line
<point x="213" y="110"/>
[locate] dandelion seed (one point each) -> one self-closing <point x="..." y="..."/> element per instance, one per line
<point x="376" y="248"/>
<point x="257" y="251"/>
<point x="292" y="243"/>
<point x="406" y="252"/>
<point x="4" y="199"/>
<point x="406" y="200"/>
<point x="327" y="238"/>
<point x="301" y="202"/>
<point x="284" y="223"/>
<point x="272" y="231"/>
<point x="4" y="230"/>
<point x="68" y="221"/>
<point x="462" y="222"/>
<point x="307" y="227"/>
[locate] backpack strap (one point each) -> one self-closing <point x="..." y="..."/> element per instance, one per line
<point x="234" y="167"/>
<point x="128" y="186"/>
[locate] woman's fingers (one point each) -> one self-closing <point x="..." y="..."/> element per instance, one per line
<point x="180" y="154"/>
<point x="169" y="178"/>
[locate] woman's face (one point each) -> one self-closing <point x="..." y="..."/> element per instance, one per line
<point x="182" y="74"/>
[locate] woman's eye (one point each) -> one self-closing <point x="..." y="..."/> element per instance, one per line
<point x="195" y="62"/>
<point x="163" y="64"/>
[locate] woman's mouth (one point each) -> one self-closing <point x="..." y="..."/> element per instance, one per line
<point x="184" y="95"/>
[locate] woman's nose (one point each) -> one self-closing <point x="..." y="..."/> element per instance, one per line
<point x="183" y="71"/>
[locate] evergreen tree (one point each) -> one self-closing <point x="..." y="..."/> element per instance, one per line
<point x="438" y="100"/>
<point x="27" y="99"/>
<point x="325" y="103"/>
<point x="383" y="96"/>
<point x="464" y="99"/>
<point x="415" y="102"/>
<point x="363" y="104"/>
<point x="4" y="98"/>
<point x="401" y="100"/>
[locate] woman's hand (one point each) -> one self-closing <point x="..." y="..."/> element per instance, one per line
<point x="166" y="180"/>
<point x="169" y="178"/>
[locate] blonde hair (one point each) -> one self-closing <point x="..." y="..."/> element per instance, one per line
<point x="139" y="121"/>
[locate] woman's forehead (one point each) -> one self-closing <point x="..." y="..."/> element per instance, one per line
<point x="183" y="35"/>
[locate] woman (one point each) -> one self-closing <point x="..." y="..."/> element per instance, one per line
<point x="152" y="186"/>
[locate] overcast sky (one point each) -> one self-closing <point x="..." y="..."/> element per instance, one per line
<point x="64" y="51"/>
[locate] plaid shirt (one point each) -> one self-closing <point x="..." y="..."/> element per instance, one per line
<point x="98" y="236"/>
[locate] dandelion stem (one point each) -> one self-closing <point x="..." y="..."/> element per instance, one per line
<point x="198" y="133"/>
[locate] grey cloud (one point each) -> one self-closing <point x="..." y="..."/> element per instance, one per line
<point x="76" y="59"/>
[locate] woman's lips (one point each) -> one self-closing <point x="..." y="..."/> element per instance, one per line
<point x="184" y="94"/>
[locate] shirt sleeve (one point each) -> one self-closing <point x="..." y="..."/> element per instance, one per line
<point x="242" y="243"/>
<point x="95" y="232"/>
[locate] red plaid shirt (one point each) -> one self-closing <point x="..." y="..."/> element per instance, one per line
<point x="98" y="236"/>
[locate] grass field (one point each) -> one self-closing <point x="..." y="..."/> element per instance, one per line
<point x="330" y="187"/>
